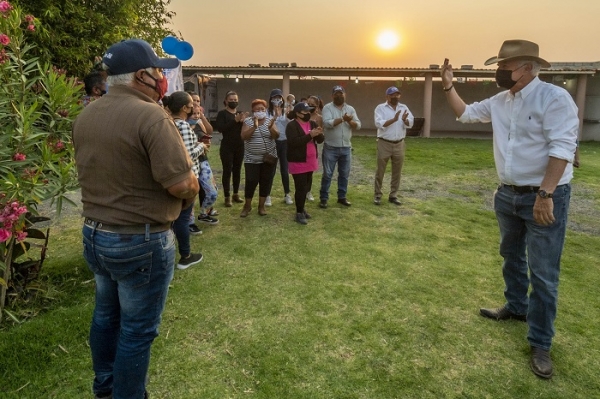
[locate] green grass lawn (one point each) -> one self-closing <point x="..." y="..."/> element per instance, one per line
<point x="364" y="302"/>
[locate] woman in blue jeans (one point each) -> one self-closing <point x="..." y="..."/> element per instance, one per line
<point x="181" y="106"/>
<point x="278" y="111"/>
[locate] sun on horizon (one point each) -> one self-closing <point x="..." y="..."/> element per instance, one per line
<point x="388" y="40"/>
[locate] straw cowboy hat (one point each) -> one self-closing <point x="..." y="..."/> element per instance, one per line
<point x="522" y="49"/>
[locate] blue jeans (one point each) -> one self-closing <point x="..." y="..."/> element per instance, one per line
<point x="283" y="165"/>
<point x="181" y="227"/>
<point x="132" y="273"/>
<point x="332" y="155"/>
<point x="526" y="245"/>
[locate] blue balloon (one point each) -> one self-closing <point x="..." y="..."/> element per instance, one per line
<point x="184" y="51"/>
<point x="169" y="44"/>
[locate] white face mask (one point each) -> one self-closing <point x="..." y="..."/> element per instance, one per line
<point x="260" y="115"/>
<point x="277" y="101"/>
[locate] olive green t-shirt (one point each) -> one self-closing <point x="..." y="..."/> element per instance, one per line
<point x="128" y="152"/>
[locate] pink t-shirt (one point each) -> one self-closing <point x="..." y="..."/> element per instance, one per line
<point x="311" y="163"/>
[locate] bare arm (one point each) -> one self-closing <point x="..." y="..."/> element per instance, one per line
<point x="456" y="103"/>
<point x="273" y="129"/>
<point x="247" y="130"/>
<point x="208" y="129"/>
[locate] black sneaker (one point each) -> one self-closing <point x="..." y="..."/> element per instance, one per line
<point x="301" y="218"/>
<point x="204" y="218"/>
<point x="323" y="204"/>
<point x="195" y="230"/>
<point x="192" y="259"/>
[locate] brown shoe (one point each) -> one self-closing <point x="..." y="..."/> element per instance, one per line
<point x="228" y="202"/>
<point x="261" y="206"/>
<point x="541" y="363"/>
<point x="502" y="314"/>
<point x="247" y="208"/>
<point x="237" y="199"/>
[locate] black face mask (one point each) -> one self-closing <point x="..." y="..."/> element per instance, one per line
<point x="338" y="100"/>
<point x="232" y="104"/>
<point x="394" y="101"/>
<point x="305" y="117"/>
<point x="504" y="78"/>
<point x="313" y="110"/>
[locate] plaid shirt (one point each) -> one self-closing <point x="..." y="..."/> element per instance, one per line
<point x="190" y="140"/>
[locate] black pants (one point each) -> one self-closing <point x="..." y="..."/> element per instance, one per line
<point x="231" y="159"/>
<point x="303" y="184"/>
<point x="261" y="175"/>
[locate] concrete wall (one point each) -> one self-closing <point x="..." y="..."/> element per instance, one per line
<point x="591" y="116"/>
<point x="366" y="95"/>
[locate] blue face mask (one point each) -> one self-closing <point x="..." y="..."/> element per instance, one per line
<point x="192" y="121"/>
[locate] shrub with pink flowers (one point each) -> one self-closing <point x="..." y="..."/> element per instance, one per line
<point x="38" y="104"/>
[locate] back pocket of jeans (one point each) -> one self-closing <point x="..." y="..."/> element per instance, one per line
<point x="131" y="272"/>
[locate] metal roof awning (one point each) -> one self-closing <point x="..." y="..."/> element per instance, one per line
<point x="462" y="71"/>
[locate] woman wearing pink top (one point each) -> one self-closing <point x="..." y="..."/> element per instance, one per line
<point x="302" y="135"/>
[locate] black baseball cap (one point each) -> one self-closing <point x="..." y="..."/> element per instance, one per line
<point x="131" y="55"/>
<point x="301" y="106"/>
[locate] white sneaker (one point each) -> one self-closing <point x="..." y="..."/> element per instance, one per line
<point x="268" y="201"/>
<point x="309" y="196"/>
<point x="288" y="199"/>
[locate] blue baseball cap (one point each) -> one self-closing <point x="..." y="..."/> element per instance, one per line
<point x="131" y="55"/>
<point x="276" y="92"/>
<point x="338" y="88"/>
<point x="301" y="106"/>
<point x="392" y="90"/>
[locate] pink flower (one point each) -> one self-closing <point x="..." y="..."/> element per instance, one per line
<point x="4" y="234"/>
<point x="29" y="18"/>
<point x="4" y="39"/>
<point x="5" y="6"/>
<point x="21" y="235"/>
<point x="59" y="145"/>
<point x="31" y="28"/>
<point x="19" y="157"/>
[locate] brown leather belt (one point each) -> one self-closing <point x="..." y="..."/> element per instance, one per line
<point x="522" y="189"/>
<point x="391" y="141"/>
<point x="127" y="229"/>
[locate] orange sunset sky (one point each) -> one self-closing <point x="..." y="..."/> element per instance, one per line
<point x="345" y="33"/>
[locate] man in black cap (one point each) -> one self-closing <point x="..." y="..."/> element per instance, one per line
<point x="135" y="177"/>
<point x="339" y="119"/>
<point x="535" y="134"/>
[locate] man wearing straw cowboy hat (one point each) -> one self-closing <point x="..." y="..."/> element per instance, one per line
<point x="535" y="128"/>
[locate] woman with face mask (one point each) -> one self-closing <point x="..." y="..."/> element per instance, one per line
<point x="303" y="135"/>
<point x="277" y="111"/>
<point x="315" y="105"/>
<point x="229" y="123"/>
<point x="181" y="107"/>
<point x="259" y="134"/>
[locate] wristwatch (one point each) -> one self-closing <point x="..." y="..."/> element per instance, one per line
<point x="544" y="194"/>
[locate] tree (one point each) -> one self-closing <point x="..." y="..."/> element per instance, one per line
<point x="37" y="106"/>
<point x="75" y="32"/>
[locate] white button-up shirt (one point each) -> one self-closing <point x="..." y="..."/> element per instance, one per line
<point x="397" y="130"/>
<point x="538" y="122"/>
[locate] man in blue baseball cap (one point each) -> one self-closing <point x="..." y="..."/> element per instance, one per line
<point x="135" y="177"/>
<point x="339" y="119"/>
